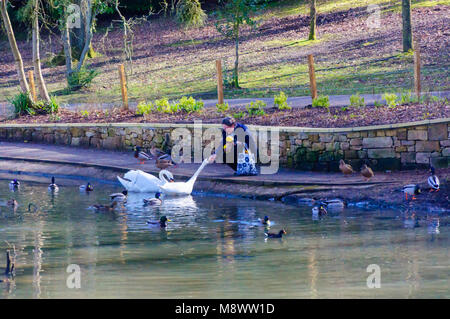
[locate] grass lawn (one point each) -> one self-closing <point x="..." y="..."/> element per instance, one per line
<point x="349" y="56"/>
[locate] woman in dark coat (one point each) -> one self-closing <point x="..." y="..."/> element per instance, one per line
<point x="231" y="130"/>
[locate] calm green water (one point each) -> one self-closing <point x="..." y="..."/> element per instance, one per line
<point x="213" y="249"/>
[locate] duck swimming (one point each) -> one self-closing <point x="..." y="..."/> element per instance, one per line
<point x="154" y="201"/>
<point x="162" y="222"/>
<point x="265" y="221"/>
<point x="106" y="208"/>
<point x="140" y="155"/>
<point x="119" y="197"/>
<point x="433" y="181"/>
<point x="274" y="235"/>
<point x="319" y="210"/>
<point x="411" y="189"/>
<point x="14" y="184"/>
<point x="12" y="202"/>
<point x="346" y="169"/>
<point x="53" y="187"/>
<point x="86" y="188"/>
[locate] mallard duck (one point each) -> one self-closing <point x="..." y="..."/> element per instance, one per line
<point x="154" y="201"/>
<point x="164" y="162"/>
<point x="12" y="202"/>
<point x="275" y="235"/>
<point x="119" y="197"/>
<point x="433" y="181"/>
<point x="367" y="172"/>
<point x="162" y="222"/>
<point x="14" y="184"/>
<point x="87" y="188"/>
<point x="53" y="187"/>
<point x="319" y="210"/>
<point x="346" y="169"/>
<point x="265" y="221"/>
<point x="105" y="208"/>
<point x="156" y="152"/>
<point x="411" y="189"/>
<point x="140" y="155"/>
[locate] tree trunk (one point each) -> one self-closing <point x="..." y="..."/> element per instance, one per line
<point x="313" y="18"/>
<point x="15" y="50"/>
<point x="88" y="31"/>
<point x="236" y="61"/>
<point x="67" y="51"/>
<point x="43" y="93"/>
<point x="407" y="26"/>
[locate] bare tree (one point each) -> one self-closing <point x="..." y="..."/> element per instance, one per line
<point x="313" y="17"/>
<point x="407" y="26"/>
<point x="43" y="93"/>
<point x="15" y="50"/>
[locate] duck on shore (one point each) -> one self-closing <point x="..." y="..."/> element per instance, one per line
<point x="346" y="169"/>
<point x="319" y="210"/>
<point x="411" y="189"/>
<point x="433" y="180"/>
<point x="276" y="235"/>
<point x="366" y="172"/>
<point x="53" y="187"/>
<point x="140" y="155"/>
<point x="163" y="162"/>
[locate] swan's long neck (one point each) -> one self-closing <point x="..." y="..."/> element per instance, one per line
<point x="199" y="170"/>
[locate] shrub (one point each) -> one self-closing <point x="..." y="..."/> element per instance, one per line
<point x="82" y="78"/>
<point x="256" y="108"/>
<point x="378" y="104"/>
<point x="222" y="108"/>
<point x="357" y="101"/>
<point x="391" y="99"/>
<point x="22" y="104"/>
<point x="239" y="115"/>
<point x="190" y="13"/>
<point x="190" y="105"/>
<point x="85" y="113"/>
<point x="144" y="108"/>
<point x="322" y="102"/>
<point x="280" y="101"/>
<point x="407" y="98"/>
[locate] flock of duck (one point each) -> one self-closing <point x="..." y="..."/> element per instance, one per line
<point x="139" y="181"/>
<point x="410" y="189"/>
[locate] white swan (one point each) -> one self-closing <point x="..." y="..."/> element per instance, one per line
<point x="139" y="181"/>
<point x="183" y="188"/>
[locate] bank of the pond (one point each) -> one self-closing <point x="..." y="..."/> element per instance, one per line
<point x="37" y="163"/>
<point x="385" y="147"/>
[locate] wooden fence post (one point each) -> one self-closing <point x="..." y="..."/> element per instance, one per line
<point x="219" y="81"/>
<point x="32" y="86"/>
<point x="417" y="84"/>
<point x="312" y="77"/>
<point x="123" y="85"/>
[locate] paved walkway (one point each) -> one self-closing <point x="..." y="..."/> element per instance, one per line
<point x="124" y="161"/>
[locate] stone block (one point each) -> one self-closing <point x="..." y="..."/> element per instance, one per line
<point x="377" y="142"/>
<point x="427" y="146"/>
<point x="381" y="153"/>
<point x="409" y="157"/>
<point x="437" y="132"/>
<point x="423" y="158"/>
<point x="417" y="135"/>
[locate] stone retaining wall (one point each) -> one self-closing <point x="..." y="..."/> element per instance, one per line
<point x="397" y="146"/>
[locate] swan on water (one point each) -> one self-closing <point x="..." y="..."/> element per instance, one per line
<point x="142" y="182"/>
<point x="183" y="188"/>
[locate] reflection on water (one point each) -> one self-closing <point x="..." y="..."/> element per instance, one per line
<point x="215" y="247"/>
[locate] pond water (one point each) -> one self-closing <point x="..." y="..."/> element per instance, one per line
<point x="213" y="248"/>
